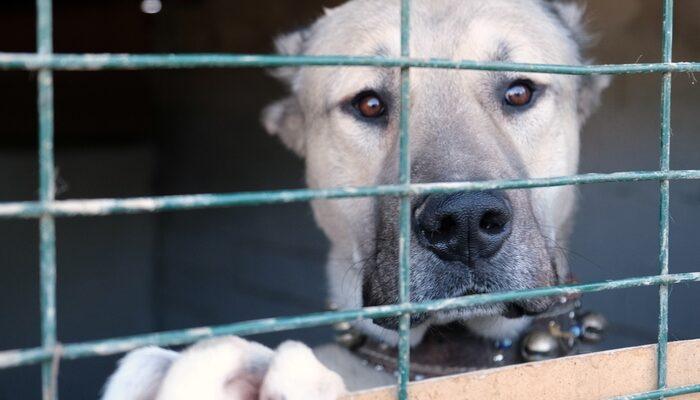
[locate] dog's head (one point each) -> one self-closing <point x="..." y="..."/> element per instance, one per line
<point x="465" y="126"/>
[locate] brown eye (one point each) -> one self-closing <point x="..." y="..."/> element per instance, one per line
<point x="519" y="94"/>
<point x="369" y="104"/>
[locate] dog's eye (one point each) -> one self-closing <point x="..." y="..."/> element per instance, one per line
<point x="369" y="104"/>
<point x="519" y="94"/>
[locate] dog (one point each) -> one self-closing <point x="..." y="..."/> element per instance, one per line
<point x="464" y="126"/>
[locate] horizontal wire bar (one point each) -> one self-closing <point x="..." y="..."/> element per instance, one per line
<point x="102" y="207"/>
<point x="101" y="61"/>
<point x="661" y="393"/>
<point x="15" y="358"/>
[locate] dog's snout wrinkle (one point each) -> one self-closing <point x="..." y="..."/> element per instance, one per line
<point x="464" y="226"/>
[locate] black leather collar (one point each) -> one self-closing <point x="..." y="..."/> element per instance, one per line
<point x="453" y="349"/>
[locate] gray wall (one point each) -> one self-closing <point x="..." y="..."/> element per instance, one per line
<point x="171" y="132"/>
<point x="617" y="226"/>
<point x="105" y="277"/>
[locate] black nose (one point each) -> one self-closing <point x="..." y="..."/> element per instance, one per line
<point x="464" y="226"/>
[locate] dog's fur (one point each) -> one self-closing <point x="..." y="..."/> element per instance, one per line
<point x="460" y="130"/>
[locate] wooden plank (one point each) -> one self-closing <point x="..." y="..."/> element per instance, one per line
<point x="589" y="376"/>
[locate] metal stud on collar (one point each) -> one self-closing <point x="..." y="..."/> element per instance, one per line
<point x="345" y="335"/>
<point x="558" y="341"/>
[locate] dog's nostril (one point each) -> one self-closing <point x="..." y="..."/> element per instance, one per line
<point x="493" y="222"/>
<point x="441" y="229"/>
<point x="448" y="225"/>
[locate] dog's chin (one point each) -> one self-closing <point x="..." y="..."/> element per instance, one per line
<point x="498" y="327"/>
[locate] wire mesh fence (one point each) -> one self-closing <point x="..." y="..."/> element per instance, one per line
<point x="47" y="208"/>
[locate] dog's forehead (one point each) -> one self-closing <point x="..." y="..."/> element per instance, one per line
<point x="483" y="30"/>
<point x="459" y="29"/>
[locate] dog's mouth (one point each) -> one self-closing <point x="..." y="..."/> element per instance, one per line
<point x="514" y="310"/>
<point x="557" y="306"/>
<point x="541" y="307"/>
<point x="464" y="313"/>
<point x="510" y="310"/>
<point x="433" y="278"/>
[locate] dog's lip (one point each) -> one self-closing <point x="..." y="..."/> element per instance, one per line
<point x="516" y="310"/>
<point x="473" y="292"/>
<point x="562" y="305"/>
<point x="513" y="311"/>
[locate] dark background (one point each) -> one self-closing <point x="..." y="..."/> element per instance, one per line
<point x="136" y="133"/>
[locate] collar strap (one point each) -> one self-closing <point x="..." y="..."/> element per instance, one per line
<point x="453" y="349"/>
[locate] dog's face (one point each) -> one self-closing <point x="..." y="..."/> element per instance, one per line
<point x="464" y="125"/>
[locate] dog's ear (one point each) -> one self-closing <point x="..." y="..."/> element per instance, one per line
<point x="290" y="44"/>
<point x="571" y="14"/>
<point x="285" y="118"/>
<point x="592" y="87"/>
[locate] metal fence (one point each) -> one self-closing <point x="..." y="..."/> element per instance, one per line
<point x="47" y="208"/>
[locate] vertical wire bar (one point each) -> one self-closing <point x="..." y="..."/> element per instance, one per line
<point x="47" y="231"/>
<point x="664" y="164"/>
<point x="405" y="209"/>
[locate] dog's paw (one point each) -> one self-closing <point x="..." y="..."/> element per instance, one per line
<point x="139" y="374"/>
<point x="227" y="368"/>
<point x="296" y="374"/>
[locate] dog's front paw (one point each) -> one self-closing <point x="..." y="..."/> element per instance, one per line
<point x="140" y="374"/>
<point x="227" y="368"/>
<point x="296" y="374"/>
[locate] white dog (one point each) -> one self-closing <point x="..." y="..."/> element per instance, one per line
<point x="465" y="125"/>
